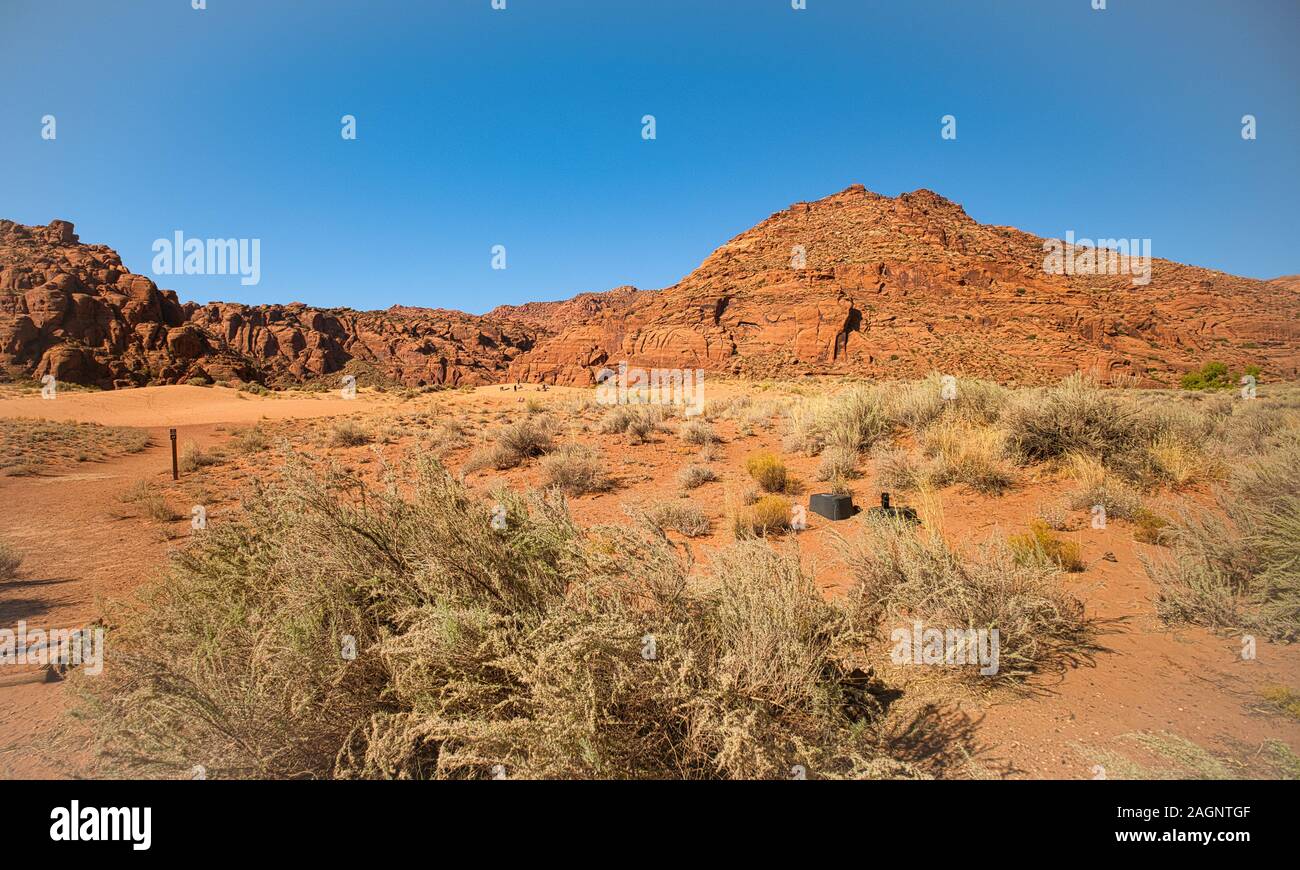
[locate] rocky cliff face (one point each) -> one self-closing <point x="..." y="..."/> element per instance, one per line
<point x="897" y="287"/>
<point x="76" y="312"/>
<point x="854" y="283"/>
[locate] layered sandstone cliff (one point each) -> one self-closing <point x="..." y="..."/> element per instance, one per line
<point x="855" y="283"/>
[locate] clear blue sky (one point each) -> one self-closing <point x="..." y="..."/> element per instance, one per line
<point x="522" y="127"/>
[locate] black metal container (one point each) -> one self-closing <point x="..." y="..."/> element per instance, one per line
<point x="833" y="507"/>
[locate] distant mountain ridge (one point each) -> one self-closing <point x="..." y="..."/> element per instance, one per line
<point x="854" y="283"/>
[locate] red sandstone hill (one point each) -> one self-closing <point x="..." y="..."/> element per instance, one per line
<point x="890" y="287"/>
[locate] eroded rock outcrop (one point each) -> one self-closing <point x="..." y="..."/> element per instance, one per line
<point x="856" y="283"/>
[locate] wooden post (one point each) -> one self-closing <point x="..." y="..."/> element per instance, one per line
<point x="176" y="472"/>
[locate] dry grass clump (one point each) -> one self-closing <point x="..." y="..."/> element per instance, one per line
<point x="855" y="418"/>
<point x="903" y="575"/>
<point x="534" y="650"/>
<point x="974" y="455"/>
<point x="152" y="503"/>
<point x="576" y="469"/>
<point x="766" y="515"/>
<point x="1043" y="546"/>
<point x="30" y="446"/>
<point x="10" y="560"/>
<point x="838" y="463"/>
<point x="1076" y="417"/>
<point x="768" y="471"/>
<point x="697" y="431"/>
<point x="349" y="433"/>
<point x="683" y="517"/>
<point x="1178" y="462"/>
<point x="1098" y="486"/>
<point x="251" y="440"/>
<point x="897" y="470"/>
<point x="639" y="421"/>
<point x="694" y="475"/>
<point x="192" y="458"/>
<point x="1236" y="569"/>
<point x="917" y="404"/>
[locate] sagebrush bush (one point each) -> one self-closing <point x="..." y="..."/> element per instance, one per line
<point x="901" y="574"/>
<point x="838" y="463"/>
<point x="694" y="475"/>
<point x="349" y="433"/>
<point x="1076" y="417"/>
<point x="768" y="471"/>
<point x="896" y="470"/>
<point x="917" y="404"/>
<point x="1097" y="486"/>
<point x="576" y="469"/>
<point x="697" y="431"/>
<point x="528" y="647"/>
<point x="251" y="440"/>
<point x="525" y="439"/>
<point x="854" y="418"/>
<point x="683" y="517"/>
<point x="1178" y="462"/>
<point x="639" y="421"/>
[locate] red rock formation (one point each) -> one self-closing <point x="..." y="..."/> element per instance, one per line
<point x="76" y="312"/>
<point x="897" y="287"/>
<point x="891" y="287"/>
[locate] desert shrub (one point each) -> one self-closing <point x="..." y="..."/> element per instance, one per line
<point x="349" y="433"/>
<point x="854" y="418"/>
<point x="1284" y="699"/>
<point x="769" y="514"/>
<point x="973" y="455"/>
<point x="157" y="508"/>
<point x="478" y="648"/>
<point x="10" y="560"/>
<point x="1148" y="526"/>
<point x="768" y="471"/>
<point x="1215" y="376"/>
<point x="1178" y="462"/>
<point x="1236" y="569"/>
<point x="897" y="470"/>
<point x="917" y="404"/>
<point x="683" y="517"/>
<point x="694" y="475"/>
<point x="901" y="575"/>
<point x="1041" y="545"/>
<point x="199" y="381"/>
<point x="709" y="452"/>
<point x="252" y="440"/>
<point x="697" y="431"/>
<point x="516" y="443"/>
<point x="639" y="421"/>
<point x="838" y="463"/>
<point x="1097" y="486"/>
<point x="1076" y="417"/>
<point x="192" y="458"/>
<point x="576" y="469"/>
